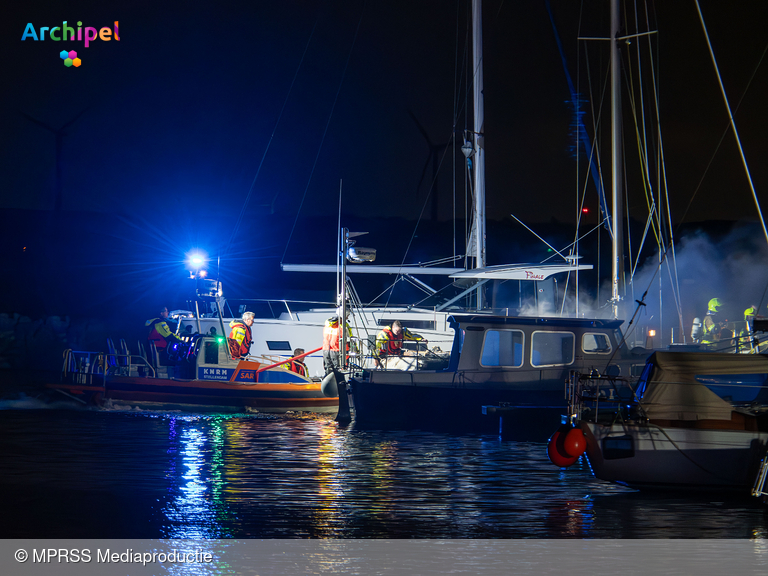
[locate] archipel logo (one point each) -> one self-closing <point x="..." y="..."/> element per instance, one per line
<point x="67" y="33"/>
<point x="70" y="58"/>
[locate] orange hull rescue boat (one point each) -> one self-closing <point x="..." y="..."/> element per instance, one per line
<point x="200" y="373"/>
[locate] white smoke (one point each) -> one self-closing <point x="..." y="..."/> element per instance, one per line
<point x="733" y="269"/>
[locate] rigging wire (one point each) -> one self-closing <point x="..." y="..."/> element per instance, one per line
<point x="724" y="134"/>
<point x="729" y="125"/>
<point x="733" y="122"/>
<point x="269" y="142"/>
<point x="325" y="132"/>
<point x="662" y="185"/>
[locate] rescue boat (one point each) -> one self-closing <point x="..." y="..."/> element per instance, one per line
<point x="199" y="372"/>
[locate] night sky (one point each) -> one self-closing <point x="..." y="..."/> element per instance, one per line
<point x="176" y="116"/>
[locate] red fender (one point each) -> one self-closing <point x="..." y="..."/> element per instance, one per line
<point x="556" y="451"/>
<point x="575" y="443"/>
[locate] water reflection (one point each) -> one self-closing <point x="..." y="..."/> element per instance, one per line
<point x="183" y="476"/>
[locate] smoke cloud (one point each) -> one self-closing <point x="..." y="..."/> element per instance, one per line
<point x="733" y="268"/>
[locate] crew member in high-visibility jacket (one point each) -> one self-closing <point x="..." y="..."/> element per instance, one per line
<point x="711" y="326"/>
<point x="159" y="331"/>
<point x="240" y="336"/>
<point x="331" y="345"/>
<point x="389" y="341"/>
<point x="745" y="336"/>
<point x="297" y="364"/>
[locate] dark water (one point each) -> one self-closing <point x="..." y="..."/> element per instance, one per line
<point x="141" y="474"/>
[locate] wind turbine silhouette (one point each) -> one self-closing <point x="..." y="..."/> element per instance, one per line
<point x="435" y="155"/>
<point x="59" y="134"/>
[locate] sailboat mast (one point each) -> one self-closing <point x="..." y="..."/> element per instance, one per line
<point x="479" y="156"/>
<point x="616" y="177"/>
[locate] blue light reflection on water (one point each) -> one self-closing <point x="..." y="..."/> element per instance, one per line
<point x="172" y="475"/>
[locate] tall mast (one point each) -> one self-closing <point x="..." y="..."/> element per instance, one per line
<point x="479" y="155"/>
<point x="616" y="177"/>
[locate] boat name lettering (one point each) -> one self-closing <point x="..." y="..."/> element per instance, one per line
<point x="215" y="373"/>
<point x="533" y="276"/>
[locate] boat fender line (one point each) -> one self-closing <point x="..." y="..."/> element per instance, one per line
<point x="556" y="447"/>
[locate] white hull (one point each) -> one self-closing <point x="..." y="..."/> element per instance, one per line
<point x="276" y="338"/>
<point x="666" y="457"/>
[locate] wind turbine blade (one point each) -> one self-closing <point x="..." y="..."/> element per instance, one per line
<point x="421" y="129"/>
<point x="424" y="171"/>
<point x="75" y="118"/>
<point x="36" y="121"/>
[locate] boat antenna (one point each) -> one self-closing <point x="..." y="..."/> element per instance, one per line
<point x="339" y="250"/>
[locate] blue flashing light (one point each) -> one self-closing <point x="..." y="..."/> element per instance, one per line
<point x="196" y="259"/>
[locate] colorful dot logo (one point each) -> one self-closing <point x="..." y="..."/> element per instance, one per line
<point x="70" y="58"/>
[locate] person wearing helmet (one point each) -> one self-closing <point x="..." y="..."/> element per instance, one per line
<point x="711" y="328"/>
<point x="332" y="345"/>
<point x="745" y="336"/>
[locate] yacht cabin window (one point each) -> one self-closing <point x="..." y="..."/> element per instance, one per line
<point x="279" y="345"/>
<point x="552" y="348"/>
<point x="596" y="343"/>
<point x="503" y="348"/>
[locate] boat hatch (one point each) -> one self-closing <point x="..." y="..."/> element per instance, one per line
<point x="616" y="447"/>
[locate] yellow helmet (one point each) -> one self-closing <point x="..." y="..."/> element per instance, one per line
<point x="714" y="304"/>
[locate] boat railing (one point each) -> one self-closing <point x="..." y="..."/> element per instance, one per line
<point x="760" y="488"/>
<point x="84" y="367"/>
<point x="736" y="337"/>
<point x="134" y="365"/>
<point x="272" y="308"/>
<point x="592" y="396"/>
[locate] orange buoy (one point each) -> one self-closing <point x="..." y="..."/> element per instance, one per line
<point x="574" y="443"/>
<point x="556" y="451"/>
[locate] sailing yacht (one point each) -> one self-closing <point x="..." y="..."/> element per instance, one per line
<point x="515" y="363"/>
<point x="695" y="420"/>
